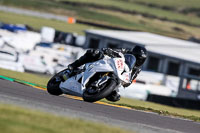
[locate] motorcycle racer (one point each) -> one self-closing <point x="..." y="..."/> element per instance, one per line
<point x="93" y="55"/>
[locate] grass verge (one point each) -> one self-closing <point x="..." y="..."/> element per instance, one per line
<point x="158" y="108"/>
<point x="37" y="23"/>
<point x="32" y="78"/>
<point x="117" y="13"/>
<point x="21" y="120"/>
<point x="135" y="104"/>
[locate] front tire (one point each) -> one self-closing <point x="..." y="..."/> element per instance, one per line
<point x="110" y="86"/>
<point x="53" y="84"/>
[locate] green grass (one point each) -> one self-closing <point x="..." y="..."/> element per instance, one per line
<point x="32" y="78"/>
<point x="107" y="12"/>
<point x="119" y="3"/>
<point x="37" y="23"/>
<point x="172" y="3"/>
<point x="156" y="26"/>
<point x="136" y="21"/>
<point x="135" y="104"/>
<point x="22" y="120"/>
<point x="128" y="6"/>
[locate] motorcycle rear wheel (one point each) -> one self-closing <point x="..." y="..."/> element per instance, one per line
<point x="53" y="84"/>
<point x="110" y="86"/>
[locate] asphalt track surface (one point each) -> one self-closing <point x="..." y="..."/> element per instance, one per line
<point x="139" y="121"/>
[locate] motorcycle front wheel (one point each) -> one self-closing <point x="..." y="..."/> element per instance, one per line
<point x="104" y="91"/>
<point x="53" y="84"/>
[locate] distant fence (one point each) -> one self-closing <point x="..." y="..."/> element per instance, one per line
<point x="103" y="25"/>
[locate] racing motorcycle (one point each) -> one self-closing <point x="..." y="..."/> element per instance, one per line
<point x="96" y="80"/>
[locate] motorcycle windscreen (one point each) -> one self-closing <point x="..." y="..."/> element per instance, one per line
<point x="130" y="60"/>
<point x="100" y="66"/>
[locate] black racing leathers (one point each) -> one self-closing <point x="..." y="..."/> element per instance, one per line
<point x="90" y="56"/>
<point x="94" y="55"/>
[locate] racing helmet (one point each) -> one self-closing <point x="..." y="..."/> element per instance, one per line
<point x="140" y="54"/>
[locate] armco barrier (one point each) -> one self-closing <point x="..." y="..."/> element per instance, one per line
<point x="174" y="101"/>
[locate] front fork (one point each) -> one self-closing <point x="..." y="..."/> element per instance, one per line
<point x="101" y="81"/>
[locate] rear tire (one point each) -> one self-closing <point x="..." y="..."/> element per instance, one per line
<point x="53" y="84"/>
<point x="110" y="86"/>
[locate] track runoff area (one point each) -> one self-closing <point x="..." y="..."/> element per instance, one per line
<point x="113" y="114"/>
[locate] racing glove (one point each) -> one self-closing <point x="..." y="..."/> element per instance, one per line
<point x="134" y="74"/>
<point x="111" y="53"/>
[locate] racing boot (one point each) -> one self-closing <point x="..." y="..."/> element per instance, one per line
<point x="114" y="96"/>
